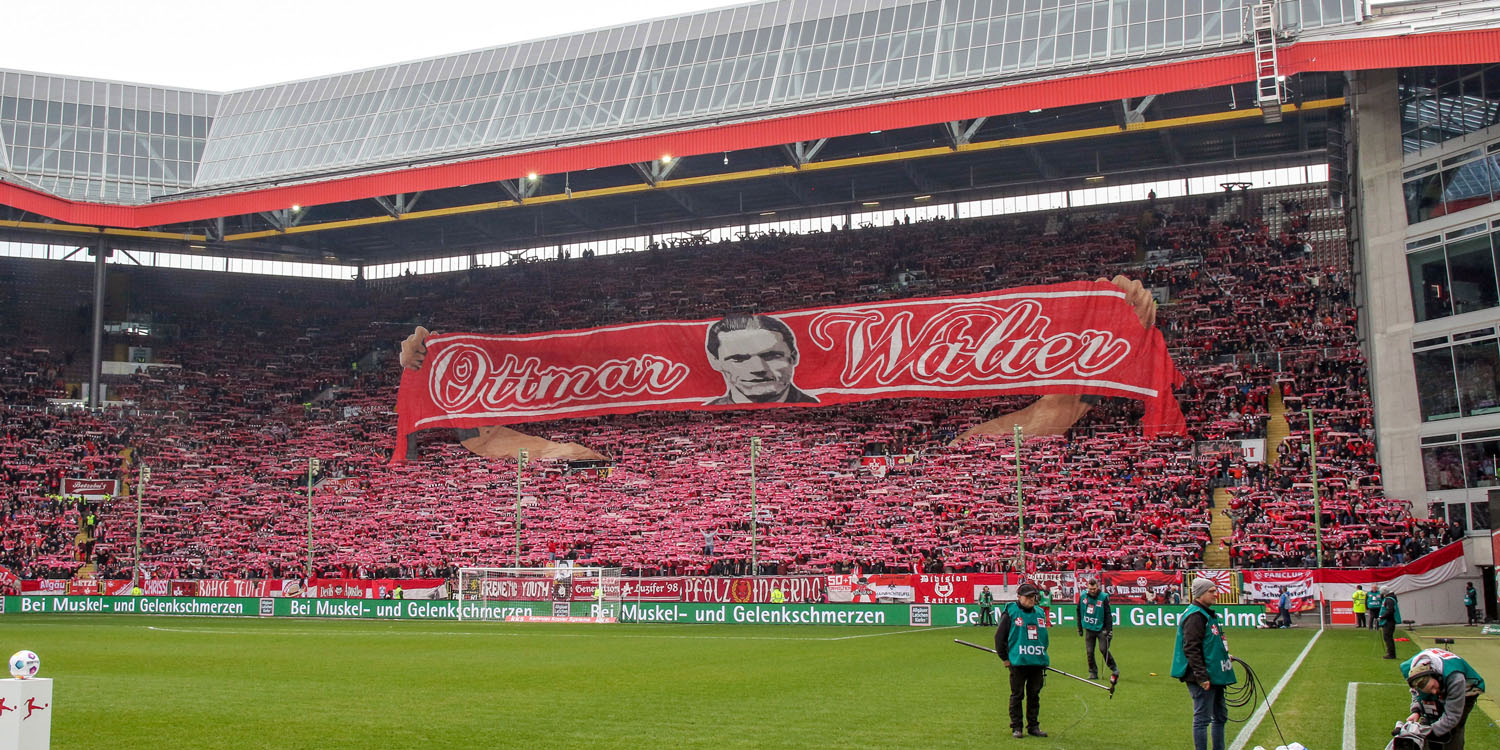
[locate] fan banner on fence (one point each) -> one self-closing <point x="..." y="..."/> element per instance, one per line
<point x="958" y="588"/>
<point x="84" y="587"/>
<point x="1072" y="338"/>
<point x="1265" y="586"/>
<point x="1141" y="586"/>
<point x="649" y="589"/>
<point x="92" y="489"/>
<point x="796" y="589"/>
<point x="371" y="588"/>
<point x="1223" y="579"/>
<point x="882" y="588"/>
<point x="44" y="586"/>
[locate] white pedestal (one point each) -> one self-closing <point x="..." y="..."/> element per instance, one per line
<point x="26" y="714"/>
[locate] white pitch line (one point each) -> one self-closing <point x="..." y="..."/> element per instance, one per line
<point x="1350" y="728"/>
<point x="1243" y="738"/>
<point x="894" y="632"/>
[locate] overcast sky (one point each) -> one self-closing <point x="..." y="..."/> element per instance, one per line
<point x="222" y="45"/>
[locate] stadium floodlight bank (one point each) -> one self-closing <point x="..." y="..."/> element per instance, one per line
<point x="597" y="588"/>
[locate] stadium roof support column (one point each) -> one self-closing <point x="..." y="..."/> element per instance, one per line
<point x="960" y="133"/>
<point x="803" y="152"/>
<point x="96" y="360"/>
<point x="398" y="204"/>
<point x="522" y="189"/>
<point x="1136" y="114"/>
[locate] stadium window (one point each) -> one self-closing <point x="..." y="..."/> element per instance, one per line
<point x="1477" y="364"/>
<point x="1437" y="384"/>
<point x="1442" y="467"/>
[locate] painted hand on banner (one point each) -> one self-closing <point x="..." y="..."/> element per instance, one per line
<point x="496" y="441"/>
<point x="1055" y="414"/>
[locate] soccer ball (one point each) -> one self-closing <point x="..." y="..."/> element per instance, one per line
<point x="24" y="664"/>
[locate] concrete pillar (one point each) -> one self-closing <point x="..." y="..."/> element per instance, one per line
<point x="1384" y="284"/>
<point x="96" y="360"/>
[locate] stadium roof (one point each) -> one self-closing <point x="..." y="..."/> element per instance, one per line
<point x="757" y="76"/>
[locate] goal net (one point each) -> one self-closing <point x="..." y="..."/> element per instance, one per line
<point x="560" y="591"/>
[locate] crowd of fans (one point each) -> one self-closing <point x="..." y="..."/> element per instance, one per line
<point x="265" y="374"/>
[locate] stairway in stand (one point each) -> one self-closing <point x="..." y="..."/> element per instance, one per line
<point x="1277" y="429"/>
<point x="1215" y="556"/>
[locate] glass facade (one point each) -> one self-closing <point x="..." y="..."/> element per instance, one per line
<point x="1455" y="462"/>
<point x="733" y="61"/>
<point x="1440" y="103"/>
<point x="1458" y="375"/>
<point x="101" y="141"/>
<point x="1455" y="272"/>
<point x="127" y="143"/>
<point x="1458" y="182"/>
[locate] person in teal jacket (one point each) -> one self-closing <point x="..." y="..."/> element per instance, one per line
<point x="1096" y="623"/>
<point x="1471" y="604"/>
<point x="1444" y="688"/>
<point x="1390" y="616"/>
<point x="1021" y="642"/>
<point x="1201" y="660"/>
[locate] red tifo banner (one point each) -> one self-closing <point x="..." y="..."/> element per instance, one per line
<point x="1074" y="338"/>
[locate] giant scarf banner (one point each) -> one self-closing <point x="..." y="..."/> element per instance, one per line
<point x="1072" y="338"/>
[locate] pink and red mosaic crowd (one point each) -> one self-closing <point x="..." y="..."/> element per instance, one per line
<point x="270" y="372"/>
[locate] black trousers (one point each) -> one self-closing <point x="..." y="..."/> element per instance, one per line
<point x="1103" y="639"/>
<point x="1473" y="613"/>
<point x="987" y="616"/>
<point x="1359" y="619"/>
<point x="1026" y="682"/>
<point x="1388" y="632"/>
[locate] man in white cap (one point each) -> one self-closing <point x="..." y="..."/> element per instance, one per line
<point x="1389" y="617"/>
<point x="1201" y="659"/>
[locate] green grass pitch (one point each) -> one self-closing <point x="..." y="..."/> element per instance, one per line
<point x="158" y="682"/>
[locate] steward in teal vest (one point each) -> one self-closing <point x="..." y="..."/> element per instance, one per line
<point x="1093" y="611"/>
<point x="1209" y="661"/>
<point x="1390" y="610"/>
<point x="1021" y="638"/>
<point x="1021" y="642"/>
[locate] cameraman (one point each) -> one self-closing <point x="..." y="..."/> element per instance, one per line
<point x="1443" y="690"/>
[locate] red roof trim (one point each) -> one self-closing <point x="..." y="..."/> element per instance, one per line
<point x="1446" y="48"/>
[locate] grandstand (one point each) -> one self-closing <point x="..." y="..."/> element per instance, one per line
<point x="239" y="378"/>
<point x="214" y="286"/>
